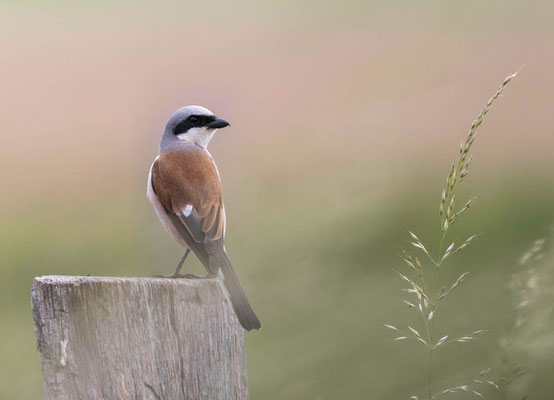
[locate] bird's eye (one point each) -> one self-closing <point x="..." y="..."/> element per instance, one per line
<point x="194" y="119"/>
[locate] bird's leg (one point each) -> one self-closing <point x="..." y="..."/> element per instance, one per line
<point x="176" y="274"/>
<point x="180" y="265"/>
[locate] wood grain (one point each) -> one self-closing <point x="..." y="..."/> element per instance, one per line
<point x="137" y="338"/>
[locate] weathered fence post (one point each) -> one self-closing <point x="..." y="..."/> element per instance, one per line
<point x="137" y="338"/>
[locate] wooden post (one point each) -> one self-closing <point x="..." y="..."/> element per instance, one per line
<point x="137" y="338"/>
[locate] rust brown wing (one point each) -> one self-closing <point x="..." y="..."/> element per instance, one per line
<point x="188" y="186"/>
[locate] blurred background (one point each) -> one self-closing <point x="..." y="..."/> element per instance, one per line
<point x="345" y="119"/>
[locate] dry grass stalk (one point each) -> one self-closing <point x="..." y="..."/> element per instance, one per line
<point x="427" y="297"/>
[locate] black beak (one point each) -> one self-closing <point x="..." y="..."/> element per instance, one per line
<point x="218" y="123"/>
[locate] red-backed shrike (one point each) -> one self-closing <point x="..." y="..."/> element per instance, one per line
<point x="185" y="189"/>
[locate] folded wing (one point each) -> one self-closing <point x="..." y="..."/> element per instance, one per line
<point x="188" y="187"/>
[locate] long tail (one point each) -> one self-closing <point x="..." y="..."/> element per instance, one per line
<point x="246" y="316"/>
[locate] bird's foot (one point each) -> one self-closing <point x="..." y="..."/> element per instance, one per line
<point x="172" y="276"/>
<point x="181" y="276"/>
<point x="193" y="276"/>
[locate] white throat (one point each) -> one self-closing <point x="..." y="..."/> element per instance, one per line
<point x="200" y="136"/>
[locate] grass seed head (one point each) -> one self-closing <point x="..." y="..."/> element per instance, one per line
<point x="427" y="307"/>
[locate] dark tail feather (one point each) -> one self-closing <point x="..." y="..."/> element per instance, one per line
<point x="246" y="316"/>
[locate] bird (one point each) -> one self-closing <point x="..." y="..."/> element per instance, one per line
<point x="185" y="190"/>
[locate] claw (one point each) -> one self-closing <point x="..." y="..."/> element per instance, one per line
<point x="186" y="276"/>
<point x="192" y="276"/>
<point x="172" y="276"/>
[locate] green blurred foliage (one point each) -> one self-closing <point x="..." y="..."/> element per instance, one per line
<point x="322" y="288"/>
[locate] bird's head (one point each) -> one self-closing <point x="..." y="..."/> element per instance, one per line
<point x="193" y="124"/>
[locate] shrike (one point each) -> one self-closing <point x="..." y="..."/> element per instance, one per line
<point x="185" y="189"/>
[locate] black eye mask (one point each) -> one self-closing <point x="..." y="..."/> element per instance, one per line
<point x="193" y="121"/>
